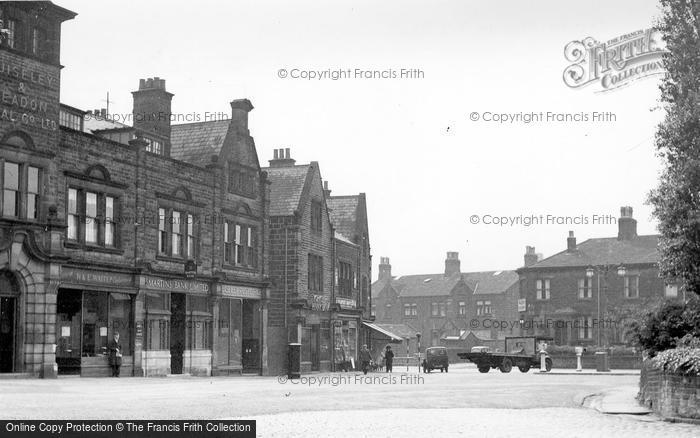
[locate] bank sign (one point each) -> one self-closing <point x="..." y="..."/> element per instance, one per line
<point x="616" y="63"/>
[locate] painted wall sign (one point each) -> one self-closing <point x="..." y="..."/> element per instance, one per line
<point x="96" y="278"/>
<point x="174" y="285"/>
<point x="320" y="302"/>
<point x="346" y="303"/>
<point x="228" y="290"/>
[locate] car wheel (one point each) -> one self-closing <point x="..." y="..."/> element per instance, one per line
<point x="548" y="364"/>
<point x="506" y="366"/>
<point x="524" y="368"/>
<point x="484" y="369"/>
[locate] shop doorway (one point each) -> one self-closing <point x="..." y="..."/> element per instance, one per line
<point x="7" y="334"/>
<point x="178" y="332"/>
<point x="314" y="341"/>
<point x="68" y="320"/>
<point x="250" y="355"/>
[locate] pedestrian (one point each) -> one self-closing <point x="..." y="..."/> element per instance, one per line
<point x="389" y="358"/>
<point x="115" y="354"/>
<point x="365" y="358"/>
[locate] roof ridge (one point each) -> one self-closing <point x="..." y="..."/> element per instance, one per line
<point x="201" y="122"/>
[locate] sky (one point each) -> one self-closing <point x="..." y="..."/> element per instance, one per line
<point x="410" y="144"/>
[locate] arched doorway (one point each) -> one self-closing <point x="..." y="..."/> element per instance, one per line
<point x="9" y="293"/>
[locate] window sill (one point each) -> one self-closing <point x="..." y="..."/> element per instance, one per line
<point x="172" y="259"/>
<point x="93" y="248"/>
<point x="239" y="268"/>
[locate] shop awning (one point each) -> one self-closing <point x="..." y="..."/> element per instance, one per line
<point x="385" y="332"/>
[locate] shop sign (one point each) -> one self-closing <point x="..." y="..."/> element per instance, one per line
<point x="174" y="285"/>
<point x="522" y="304"/>
<point x="98" y="278"/>
<point x="346" y="303"/>
<point x="229" y="290"/>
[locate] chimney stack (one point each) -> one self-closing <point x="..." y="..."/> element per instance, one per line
<point x="452" y="264"/>
<point x="384" y="268"/>
<point x="152" y="108"/>
<point x="571" y="242"/>
<point x="326" y="190"/>
<point x="239" y="115"/>
<point x="530" y="256"/>
<point x="282" y="158"/>
<point x="627" y="225"/>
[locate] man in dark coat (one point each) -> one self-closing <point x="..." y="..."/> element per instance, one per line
<point x="115" y="354"/>
<point x="365" y="358"/>
<point x="389" y="358"/>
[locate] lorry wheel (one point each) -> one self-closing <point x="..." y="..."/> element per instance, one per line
<point x="524" y="368"/>
<point x="442" y="370"/>
<point x="548" y="364"/>
<point x="446" y="369"/>
<point x="506" y="366"/>
<point x="484" y="369"/>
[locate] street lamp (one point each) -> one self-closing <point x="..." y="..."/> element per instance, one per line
<point x="418" y="340"/>
<point x="598" y="269"/>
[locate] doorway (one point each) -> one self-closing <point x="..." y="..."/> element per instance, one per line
<point x="68" y="330"/>
<point x="178" y="333"/>
<point x="7" y="334"/>
<point x="314" y="341"/>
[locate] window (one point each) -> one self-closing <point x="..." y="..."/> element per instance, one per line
<point x="70" y="120"/>
<point x="241" y="180"/>
<point x="72" y="214"/>
<point x="190" y="237"/>
<point x="10" y="204"/>
<point x="176" y="234"/>
<point x="316" y="216"/>
<point x="373" y="310"/>
<point x="345" y="275"/>
<point x="158" y="327"/>
<point x="585" y="288"/>
<point x="200" y="324"/>
<point x="632" y="286"/>
<point x="32" y="193"/>
<point x="154" y="146"/>
<point x="585" y="328"/>
<point x="483" y="308"/>
<point x="109" y="221"/>
<point x="11" y="34"/>
<point x="410" y="309"/>
<point x="90" y="217"/>
<point x="671" y="291"/>
<point x="315" y="273"/>
<point x="434" y="309"/>
<point x="462" y="308"/>
<point x="387" y="311"/>
<point x="38" y="39"/>
<point x="240" y="245"/>
<point x="443" y="309"/>
<point x="543" y="289"/>
<point x="162" y="232"/>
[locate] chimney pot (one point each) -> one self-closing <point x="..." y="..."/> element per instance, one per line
<point x="286" y="153"/>
<point x="627" y="224"/>
<point x="384" y="268"/>
<point x="530" y="257"/>
<point x="276" y="154"/>
<point x="142" y="84"/>
<point x="452" y="264"/>
<point x="571" y="242"/>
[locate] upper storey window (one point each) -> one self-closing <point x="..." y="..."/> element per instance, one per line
<point x="241" y="180"/>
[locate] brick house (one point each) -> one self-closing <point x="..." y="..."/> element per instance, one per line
<point x="448" y="305"/>
<point x="154" y="231"/>
<point x="560" y="296"/>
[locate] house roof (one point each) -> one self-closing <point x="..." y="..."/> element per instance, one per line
<point x="343" y="213"/>
<point x="603" y="251"/>
<point x="93" y="123"/>
<point x="491" y="282"/>
<point x="286" y="188"/>
<point x="344" y="239"/>
<point x="425" y="285"/>
<point x="195" y="143"/>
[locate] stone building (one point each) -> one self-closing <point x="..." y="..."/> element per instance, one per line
<point x="154" y="231"/>
<point x="447" y="306"/>
<point x="588" y="293"/>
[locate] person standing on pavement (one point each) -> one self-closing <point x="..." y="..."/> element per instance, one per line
<point x="365" y="358"/>
<point x="115" y="354"/>
<point x="389" y="358"/>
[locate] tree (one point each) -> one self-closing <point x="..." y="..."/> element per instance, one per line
<point x="676" y="200"/>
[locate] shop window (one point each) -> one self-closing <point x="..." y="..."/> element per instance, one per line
<point x="306" y="335"/>
<point x="325" y="341"/>
<point x="228" y="331"/>
<point x="120" y="320"/>
<point x="158" y="319"/>
<point x="200" y="323"/>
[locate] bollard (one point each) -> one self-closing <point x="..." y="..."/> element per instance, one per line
<point x="579" y="352"/>
<point x="543" y="361"/>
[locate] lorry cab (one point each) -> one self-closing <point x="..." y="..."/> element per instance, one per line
<point x="435" y="357"/>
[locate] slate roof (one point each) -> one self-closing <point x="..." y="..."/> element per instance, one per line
<point x="342" y="238"/>
<point x="93" y="123"/>
<point x="491" y="282"/>
<point x="286" y="187"/>
<point x="343" y="213"/>
<point x="195" y="143"/>
<point x="425" y="285"/>
<point x="603" y="251"/>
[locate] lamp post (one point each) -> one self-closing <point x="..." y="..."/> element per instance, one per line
<point x="418" y="341"/>
<point x="597" y="270"/>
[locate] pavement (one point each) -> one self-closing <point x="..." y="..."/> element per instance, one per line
<point x="351" y="404"/>
<point x="620" y="400"/>
<point x="590" y="372"/>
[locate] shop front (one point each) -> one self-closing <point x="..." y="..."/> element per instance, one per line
<point x="238" y="338"/>
<point x="91" y="306"/>
<point x="173" y="328"/>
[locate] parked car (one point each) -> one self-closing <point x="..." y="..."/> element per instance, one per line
<point x="435" y="357"/>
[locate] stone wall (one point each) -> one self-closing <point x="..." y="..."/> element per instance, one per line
<point x="668" y="394"/>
